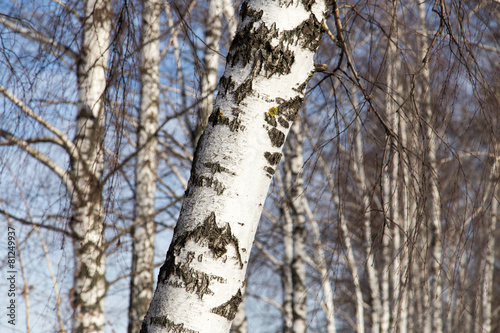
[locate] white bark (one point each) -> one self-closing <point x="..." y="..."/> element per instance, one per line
<point x="286" y="268"/>
<point x="489" y="258"/>
<point x="359" y="171"/>
<point x="210" y="64"/>
<point x="143" y="231"/>
<point x="435" y="206"/>
<point x="350" y="258"/>
<point x="297" y="203"/>
<point x="87" y="219"/>
<point x="326" y="287"/>
<point x="268" y="66"/>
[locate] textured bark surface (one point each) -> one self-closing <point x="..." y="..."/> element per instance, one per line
<point x="296" y="203"/>
<point x="268" y="66"/>
<point x="87" y="219"/>
<point x="143" y="231"/>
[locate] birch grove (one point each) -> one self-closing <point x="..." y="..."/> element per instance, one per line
<point x="323" y="167"/>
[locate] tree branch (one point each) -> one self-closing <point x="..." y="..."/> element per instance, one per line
<point x="44" y="159"/>
<point x="29" y="32"/>
<point x="65" y="142"/>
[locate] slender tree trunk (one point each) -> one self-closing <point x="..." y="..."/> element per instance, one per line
<point x="489" y="258"/>
<point x="286" y="268"/>
<point x="143" y="231"/>
<point x="326" y="287"/>
<point x="359" y="170"/>
<point x="436" y="310"/>
<point x="208" y="75"/>
<point x="268" y="67"/>
<point x="297" y="202"/>
<point x="87" y="217"/>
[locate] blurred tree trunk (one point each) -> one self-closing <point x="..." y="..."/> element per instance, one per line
<point x="88" y="212"/>
<point x="360" y="176"/>
<point x="208" y="77"/>
<point x="296" y="202"/>
<point x="489" y="258"/>
<point x="435" y="277"/>
<point x="143" y="230"/>
<point x="269" y="64"/>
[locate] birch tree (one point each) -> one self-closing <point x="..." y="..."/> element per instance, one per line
<point x="144" y="228"/>
<point x="268" y="66"/>
<point x="87" y="168"/>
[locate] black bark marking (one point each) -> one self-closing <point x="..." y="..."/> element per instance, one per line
<point x="210" y="235"/>
<point x="217" y="118"/>
<point x="226" y="84"/>
<point x="273" y="158"/>
<point x="270" y="120"/>
<point x="290" y="108"/>
<point x="215" y="167"/>
<point x="269" y="171"/>
<point x="283" y="122"/>
<point x="192" y="280"/>
<point x="197" y="180"/>
<point x="228" y="310"/>
<point x="242" y="91"/>
<point x="167" y="323"/>
<point x="277" y="137"/>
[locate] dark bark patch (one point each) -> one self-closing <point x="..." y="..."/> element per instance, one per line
<point x="283" y="122"/>
<point x="228" y="310"/>
<point x="270" y="120"/>
<point x="247" y="11"/>
<point x="277" y="137"/>
<point x="217" y="238"/>
<point x="309" y="34"/>
<point x="217" y="118"/>
<point x="163" y="321"/>
<point x="197" y="180"/>
<point x="215" y="167"/>
<point x="226" y="84"/>
<point x="308" y="4"/>
<point x="273" y="158"/>
<point x="243" y="91"/>
<point x="209" y="234"/>
<point x="269" y="171"/>
<point x="192" y="280"/>
<point x="290" y="108"/>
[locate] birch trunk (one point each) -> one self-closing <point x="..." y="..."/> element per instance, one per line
<point x="294" y="163"/>
<point x="269" y="64"/>
<point x="435" y="207"/>
<point x="359" y="171"/>
<point x="87" y="217"/>
<point x="286" y="268"/>
<point x="489" y="259"/>
<point x="350" y="258"/>
<point x="208" y="77"/>
<point x="143" y="231"/>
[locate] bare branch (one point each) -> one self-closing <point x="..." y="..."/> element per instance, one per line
<point x="65" y="142"/>
<point x="30" y="32"/>
<point x="44" y="159"/>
